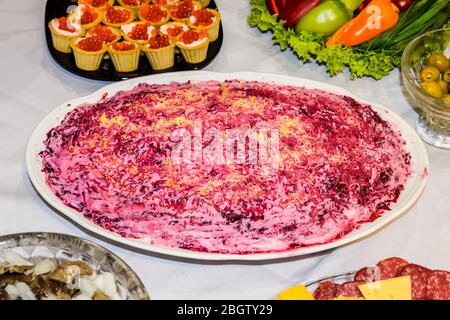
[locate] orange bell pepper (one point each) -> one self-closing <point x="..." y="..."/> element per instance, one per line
<point x="378" y="17"/>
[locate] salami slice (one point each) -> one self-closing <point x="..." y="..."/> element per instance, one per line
<point x="349" y="289"/>
<point x="438" y="285"/>
<point x="368" y="274"/>
<point x="419" y="277"/>
<point x="325" y="291"/>
<point x="390" y="267"/>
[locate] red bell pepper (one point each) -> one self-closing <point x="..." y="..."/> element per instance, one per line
<point x="291" y="10"/>
<point x="294" y="10"/>
<point x="272" y="6"/>
<point x="402" y="5"/>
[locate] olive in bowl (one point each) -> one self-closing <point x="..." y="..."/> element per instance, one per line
<point x="425" y="75"/>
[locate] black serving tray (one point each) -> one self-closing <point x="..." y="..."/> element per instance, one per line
<point x="106" y="72"/>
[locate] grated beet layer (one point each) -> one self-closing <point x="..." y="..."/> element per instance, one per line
<point x="340" y="165"/>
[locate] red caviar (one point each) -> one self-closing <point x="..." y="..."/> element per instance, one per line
<point x="174" y="31"/>
<point x="117" y="14"/>
<point x="90" y="44"/>
<point x="140" y="32"/>
<point x="183" y="9"/>
<point x="89" y="15"/>
<point x="203" y="17"/>
<point x="123" y="46"/>
<point x="133" y="2"/>
<point x="104" y="33"/>
<point x="153" y="13"/>
<point x="64" y="24"/>
<point x="96" y="3"/>
<point x="191" y="36"/>
<point x="159" y="41"/>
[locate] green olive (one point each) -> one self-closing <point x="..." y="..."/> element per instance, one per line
<point x="439" y="61"/>
<point x="446" y="97"/>
<point x="432" y="88"/>
<point x="430" y="74"/>
<point x="444" y="86"/>
<point x="446" y="76"/>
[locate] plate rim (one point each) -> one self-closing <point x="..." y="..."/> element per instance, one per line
<point x="117" y="78"/>
<point x="80" y="221"/>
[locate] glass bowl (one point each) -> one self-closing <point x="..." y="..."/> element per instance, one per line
<point x="433" y="124"/>
<point x="61" y="247"/>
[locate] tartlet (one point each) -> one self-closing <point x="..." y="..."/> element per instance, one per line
<point x="134" y="5"/>
<point x="88" y="52"/>
<point x="182" y="10"/>
<point x="87" y="16"/>
<point x="125" y="56"/>
<point x="63" y="31"/>
<point x="160" y="51"/>
<point x="173" y="29"/>
<point x="166" y="3"/>
<point x="154" y="14"/>
<point x="138" y="32"/>
<point x="115" y="16"/>
<point x="107" y="34"/>
<point x="99" y="4"/>
<point x="206" y="19"/>
<point x="193" y="45"/>
<point x="204" y="3"/>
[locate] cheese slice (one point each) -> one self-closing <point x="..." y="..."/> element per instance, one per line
<point x="389" y="289"/>
<point x="348" y="298"/>
<point x="295" y="293"/>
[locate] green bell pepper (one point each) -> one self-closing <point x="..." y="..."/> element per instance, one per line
<point x="328" y="16"/>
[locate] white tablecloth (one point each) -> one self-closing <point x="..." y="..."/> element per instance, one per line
<point x="32" y="85"/>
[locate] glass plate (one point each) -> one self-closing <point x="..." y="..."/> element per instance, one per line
<point x="339" y="279"/>
<point x="61" y="247"/>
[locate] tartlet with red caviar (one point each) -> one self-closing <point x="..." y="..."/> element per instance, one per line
<point x="183" y="10"/>
<point x="99" y="4"/>
<point x="154" y="14"/>
<point x="138" y="32"/>
<point x="160" y="51"/>
<point x="124" y="55"/>
<point x="206" y="19"/>
<point x="115" y="16"/>
<point x="166" y="3"/>
<point x="173" y="29"/>
<point x="85" y="15"/>
<point x="204" y="3"/>
<point x="107" y="34"/>
<point x="88" y="52"/>
<point x="63" y="31"/>
<point x="193" y="45"/>
<point x="133" y="5"/>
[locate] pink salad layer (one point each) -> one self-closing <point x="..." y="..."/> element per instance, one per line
<point x="340" y="166"/>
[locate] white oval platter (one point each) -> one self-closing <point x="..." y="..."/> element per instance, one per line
<point x="408" y="197"/>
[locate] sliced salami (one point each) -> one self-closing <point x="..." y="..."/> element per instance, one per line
<point x="325" y="291"/>
<point x="390" y="267"/>
<point x="349" y="289"/>
<point x="368" y="274"/>
<point x="438" y="285"/>
<point x="419" y="277"/>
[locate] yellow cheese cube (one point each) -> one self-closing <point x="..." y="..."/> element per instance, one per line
<point x="389" y="289"/>
<point x="295" y="293"/>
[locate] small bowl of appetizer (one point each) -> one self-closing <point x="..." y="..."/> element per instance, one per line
<point x="51" y="266"/>
<point x="426" y="78"/>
